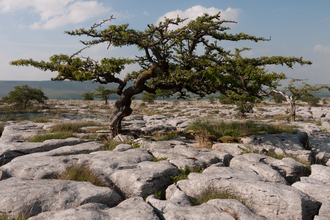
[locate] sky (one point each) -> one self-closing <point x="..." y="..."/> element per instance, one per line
<point x="35" y="29"/>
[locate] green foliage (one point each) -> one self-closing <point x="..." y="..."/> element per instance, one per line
<point x="311" y="99"/>
<point x="20" y="216"/>
<point x="225" y="100"/>
<point x="211" y="99"/>
<point x="183" y="173"/>
<point x="109" y="145"/>
<point x="88" y="96"/>
<point x="56" y="135"/>
<point x="157" y="136"/>
<point x="104" y="93"/>
<point x="244" y="107"/>
<point x="278" y="98"/>
<point x="237" y="129"/>
<point x="157" y="159"/>
<point x="71" y="127"/>
<point x="24" y="96"/>
<point x="148" y="97"/>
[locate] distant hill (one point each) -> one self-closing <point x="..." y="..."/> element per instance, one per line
<point x="74" y="90"/>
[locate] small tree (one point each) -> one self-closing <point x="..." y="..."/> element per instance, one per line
<point x="278" y="98"/>
<point x="88" y="96"/>
<point x="24" y="96"/>
<point x="297" y="93"/>
<point x="148" y="97"/>
<point x="104" y="93"/>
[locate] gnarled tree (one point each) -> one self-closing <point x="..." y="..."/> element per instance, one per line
<point x="170" y="61"/>
<point x="293" y="93"/>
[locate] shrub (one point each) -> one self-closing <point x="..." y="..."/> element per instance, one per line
<point x="225" y="100"/>
<point x="148" y="97"/>
<point x="88" y="96"/>
<point x="24" y="96"/>
<point x="311" y="99"/>
<point x="278" y="98"/>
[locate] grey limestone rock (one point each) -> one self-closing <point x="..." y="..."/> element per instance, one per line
<point x="232" y="148"/>
<point x="274" y="170"/>
<point x="320" y="146"/>
<point x="184" y="156"/>
<point x="281" y="144"/>
<point x="36" y="196"/>
<point x="317" y="189"/>
<point x="143" y="178"/>
<point x="133" y="208"/>
<point x="267" y="199"/>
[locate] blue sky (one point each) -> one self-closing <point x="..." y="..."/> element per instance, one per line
<point x="35" y="29"/>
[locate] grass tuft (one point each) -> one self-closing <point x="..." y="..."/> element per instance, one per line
<point x="43" y="137"/>
<point x="81" y="173"/>
<point x="210" y="193"/>
<point x="183" y="173"/>
<point x="71" y="127"/>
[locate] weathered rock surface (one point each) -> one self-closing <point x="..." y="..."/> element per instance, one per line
<point x="36" y="196"/>
<point x="277" y="171"/>
<point x="320" y="146"/>
<point x="259" y="181"/>
<point x="266" y="199"/>
<point x="133" y="208"/>
<point x="184" y="156"/>
<point x="281" y="144"/>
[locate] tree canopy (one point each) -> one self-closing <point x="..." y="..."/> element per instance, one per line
<point x="170" y="61"/>
<point x="24" y="95"/>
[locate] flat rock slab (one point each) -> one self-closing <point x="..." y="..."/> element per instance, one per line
<point x="131" y="171"/>
<point x="44" y="165"/>
<point x="36" y="196"/>
<point x="264" y="198"/>
<point x="280" y="144"/>
<point x="184" y="156"/>
<point x="317" y="184"/>
<point x="178" y="206"/>
<point x="232" y="148"/>
<point x="274" y="170"/>
<point x="320" y="146"/>
<point x="11" y="150"/>
<point x="16" y="132"/>
<point x="317" y="189"/>
<point x="133" y="208"/>
<point x="144" y="178"/>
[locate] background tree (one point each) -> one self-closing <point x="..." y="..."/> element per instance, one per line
<point x="148" y="97"/>
<point x="311" y="99"/>
<point x="24" y="96"/>
<point x="296" y="93"/>
<point x="278" y="98"/>
<point x="169" y="62"/>
<point x="104" y="93"/>
<point x="88" y="96"/>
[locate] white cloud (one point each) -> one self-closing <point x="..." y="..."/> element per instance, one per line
<point x="323" y="49"/>
<point x="198" y="10"/>
<point x="145" y="13"/>
<point x="55" y="13"/>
